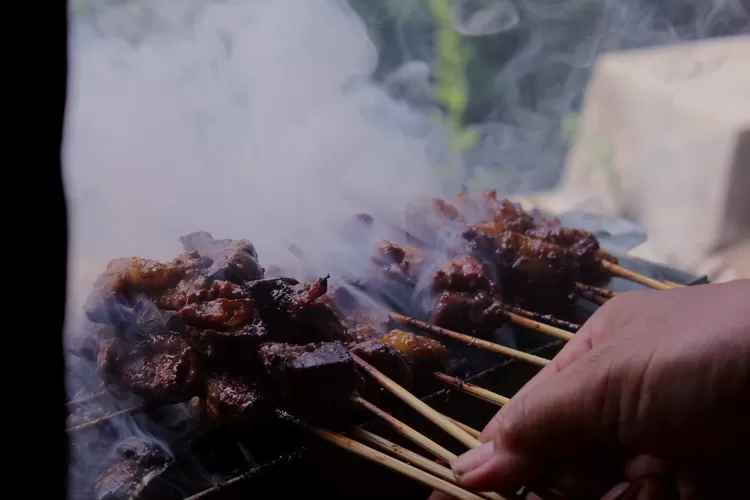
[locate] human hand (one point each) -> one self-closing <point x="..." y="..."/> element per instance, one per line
<point x="653" y="393"/>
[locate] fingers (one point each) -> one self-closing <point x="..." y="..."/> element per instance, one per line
<point x="582" y="343"/>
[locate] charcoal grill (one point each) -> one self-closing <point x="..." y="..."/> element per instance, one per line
<point x="286" y="461"/>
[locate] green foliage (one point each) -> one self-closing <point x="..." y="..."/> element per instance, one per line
<point x="570" y="126"/>
<point x="450" y="89"/>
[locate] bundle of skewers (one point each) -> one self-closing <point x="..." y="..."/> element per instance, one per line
<point x="242" y="347"/>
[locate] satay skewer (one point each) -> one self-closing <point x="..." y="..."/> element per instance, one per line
<point x="474" y="390"/>
<point x="413" y="458"/>
<point x="396" y="465"/>
<point x="417" y="404"/>
<point x="574" y="327"/>
<point x="622" y="272"/>
<point x="603" y="292"/>
<point x="408" y="432"/>
<point x="540" y="327"/>
<point x="106" y="418"/>
<point x="85" y="399"/>
<point x="469" y="340"/>
<point x="465" y="427"/>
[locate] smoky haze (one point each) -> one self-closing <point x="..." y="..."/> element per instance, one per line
<point x="244" y="124"/>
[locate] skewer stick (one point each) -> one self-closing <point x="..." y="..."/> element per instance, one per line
<point x="633" y="276"/>
<point x="406" y="431"/>
<point x="472" y="341"/>
<point x="410" y="457"/>
<point x="106" y="418"/>
<point x="674" y="285"/>
<point x="472" y="389"/>
<point x="540" y="327"/>
<point x="430" y="414"/>
<point x="396" y="465"/>
<point x="603" y="292"/>
<point x="465" y="427"/>
<point x="86" y="399"/>
<point x="544" y="317"/>
<point x="597" y="299"/>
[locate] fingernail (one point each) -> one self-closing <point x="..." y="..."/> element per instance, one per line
<point x="472" y="459"/>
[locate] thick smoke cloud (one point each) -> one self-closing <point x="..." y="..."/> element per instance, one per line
<point x="244" y="123"/>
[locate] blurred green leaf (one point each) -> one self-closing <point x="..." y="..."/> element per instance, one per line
<point x="570" y="126"/>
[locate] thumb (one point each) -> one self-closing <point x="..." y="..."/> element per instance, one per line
<point x="559" y="416"/>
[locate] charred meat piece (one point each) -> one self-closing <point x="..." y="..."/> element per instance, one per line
<point x="367" y="324"/>
<point x="582" y="245"/>
<point x="463" y="273"/>
<point x="503" y="214"/>
<point x="293" y="311"/>
<point x="230" y="260"/>
<point x="422" y="352"/>
<point x="236" y="401"/>
<point x="535" y="274"/>
<point x="314" y="381"/>
<point x="139" y="472"/>
<point x="161" y="368"/>
<point x="219" y="314"/>
<point x="133" y="287"/>
<point x="392" y="362"/>
<point x="224" y="321"/>
<point x="472" y="313"/>
<point x="401" y="263"/>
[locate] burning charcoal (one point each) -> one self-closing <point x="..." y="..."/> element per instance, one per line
<point x="139" y="473"/>
<point x="476" y="314"/>
<point x="422" y="352"/>
<point x="236" y="401"/>
<point x="463" y="273"/>
<point x="293" y="311"/>
<point x="162" y="368"/>
<point x="388" y="360"/>
<point x="231" y="260"/>
<point x="314" y="380"/>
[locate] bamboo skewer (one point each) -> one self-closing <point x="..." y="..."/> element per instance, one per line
<point x="472" y="341"/>
<point x="633" y="276"/>
<point x="395" y="465"/>
<point x="602" y="292"/>
<point x="473" y="390"/>
<point x="106" y="418"/>
<point x="540" y="327"/>
<point x="465" y="427"/>
<point x="551" y="320"/>
<point x="597" y="299"/>
<point x="410" y="457"/>
<point x="85" y="399"/>
<point x="420" y="406"/>
<point x="423" y="441"/>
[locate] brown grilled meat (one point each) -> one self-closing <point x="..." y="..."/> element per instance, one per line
<point x="293" y="312"/>
<point x="425" y="219"/>
<point x="233" y="401"/>
<point x="314" y="381"/>
<point x="140" y="296"/>
<point x="423" y="353"/>
<point x="389" y="360"/>
<point x="463" y="273"/>
<point x="138" y="473"/>
<point x="162" y="368"/>
<point x="473" y="313"/>
<point x="535" y="274"/>
<point x="583" y="246"/>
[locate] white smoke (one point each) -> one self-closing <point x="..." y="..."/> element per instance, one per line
<point x="242" y="123"/>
